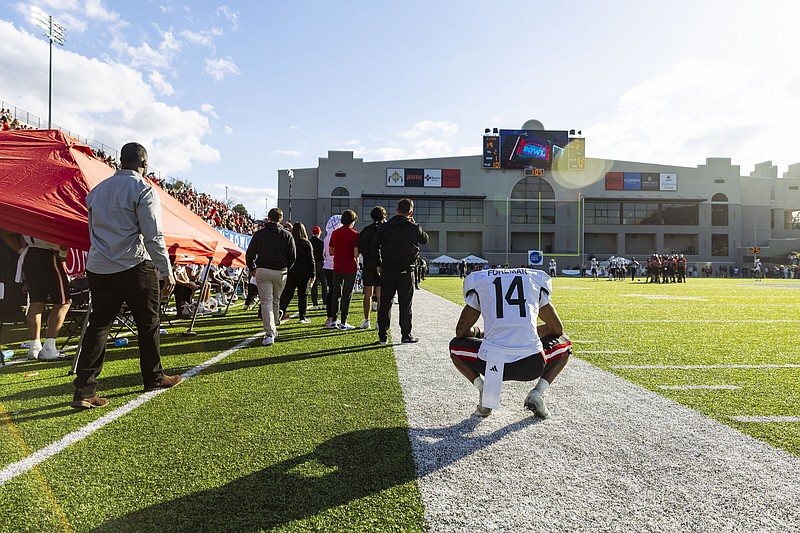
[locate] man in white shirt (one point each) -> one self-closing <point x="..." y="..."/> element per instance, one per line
<point x="127" y="258"/>
<point x="513" y="347"/>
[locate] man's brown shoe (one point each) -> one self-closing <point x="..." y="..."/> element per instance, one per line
<point x="167" y="382"/>
<point x="89" y="403"/>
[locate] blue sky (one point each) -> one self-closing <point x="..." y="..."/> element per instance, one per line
<point x="228" y="94"/>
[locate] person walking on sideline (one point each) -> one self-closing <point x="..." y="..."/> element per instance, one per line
<point x="271" y="254"/>
<point x="369" y="273"/>
<point x="396" y="248"/>
<point x="319" y="275"/>
<point x="343" y="247"/>
<point x="334" y="223"/>
<point x="126" y="257"/>
<point x="300" y="275"/>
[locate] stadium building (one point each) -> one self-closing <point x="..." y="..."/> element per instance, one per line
<point x="569" y="207"/>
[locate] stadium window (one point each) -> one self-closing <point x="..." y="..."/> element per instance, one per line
<point x="463" y="211"/>
<point x="680" y="214"/>
<point x="791" y="219"/>
<point x="603" y="213"/>
<point x="528" y="188"/>
<point x="719" y="210"/>
<point x="340" y="201"/>
<point x="719" y="245"/>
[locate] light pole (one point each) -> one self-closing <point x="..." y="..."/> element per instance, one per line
<point x="55" y="33"/>
<point x="291" y="176"/>
<point x="226" y="196"/>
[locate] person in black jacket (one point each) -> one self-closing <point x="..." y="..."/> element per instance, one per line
<point x="396" y="248"/>
<point x="300" y="275"/>
<point x="270" y="254"/>
<point x="319" y="262"/>
<point x="369" y="273"/>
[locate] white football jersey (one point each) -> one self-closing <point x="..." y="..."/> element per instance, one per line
<point x="509" y="300"/>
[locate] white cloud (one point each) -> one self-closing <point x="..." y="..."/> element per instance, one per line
<point x="219" y="68"/>
<point x="428" y="126"/>
<point x="161" y="85"/>
<point x="390" y="153"/>
<point x="353" y="142"/>
<point x="228" y="130"/>
<point x="290" y="153"/>
<point x="294" y="127"/>
<point x="255" y="199"/>
<point x="702" y="109"/>
<point x="208" y="109"/>
<point x="232" y="16"/>
<point x="100" y="110"/>
<point x="144" y="55"/>
<point x="73" y="15"/>
<point x="202" y="38"/>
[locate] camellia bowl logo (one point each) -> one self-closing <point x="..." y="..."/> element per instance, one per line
<point x="395" y="177"/>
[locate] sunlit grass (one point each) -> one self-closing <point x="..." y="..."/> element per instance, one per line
<point x="308" y="434"/>
<point x="702" y="322"/>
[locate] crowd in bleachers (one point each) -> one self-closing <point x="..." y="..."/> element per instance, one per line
<point x="213" y="211"/>
<point x="9" y="123"/>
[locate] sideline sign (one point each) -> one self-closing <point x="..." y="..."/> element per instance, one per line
<point x="535" y="257"/>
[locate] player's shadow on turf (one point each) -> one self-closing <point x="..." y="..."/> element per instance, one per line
<point x="374" y="466"/>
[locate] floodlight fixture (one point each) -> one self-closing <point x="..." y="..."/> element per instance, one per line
<point x="55" y="33"/>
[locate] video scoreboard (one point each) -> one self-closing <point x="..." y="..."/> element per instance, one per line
<point x="528" y="149"/>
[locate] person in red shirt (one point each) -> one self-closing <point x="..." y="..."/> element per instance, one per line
<point x="344" y="249"/>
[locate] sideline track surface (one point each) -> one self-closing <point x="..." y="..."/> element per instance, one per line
<point x="613" y="456"/>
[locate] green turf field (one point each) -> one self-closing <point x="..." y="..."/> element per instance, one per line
<point x="307" y="435"/>
<point x="704" y="322"/>
<point x="311" y="434"/>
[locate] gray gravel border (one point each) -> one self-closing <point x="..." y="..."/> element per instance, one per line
<point x="613" y="457"/>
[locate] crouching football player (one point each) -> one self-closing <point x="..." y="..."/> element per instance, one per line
<point x="512" y="347"/>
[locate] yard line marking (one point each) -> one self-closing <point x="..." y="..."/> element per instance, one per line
<point x="606" y="351"/>
<point x="665" y="297"/>
<point x="700" y="387"/>
<point x="14" y="469"/>
<point x="767" y="419"/>
<point x="672" y="321"/>
<point x="700" y="367"/>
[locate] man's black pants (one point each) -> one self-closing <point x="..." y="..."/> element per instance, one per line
<point x="402" y="283"/>
<point x="138" y="287"/>
<point x="320" y="283"/>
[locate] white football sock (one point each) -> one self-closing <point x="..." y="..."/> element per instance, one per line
<point x="542" y="385"/>
<point x="50" y="344"/>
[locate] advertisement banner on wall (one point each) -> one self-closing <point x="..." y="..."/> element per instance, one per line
<point x="632" y="181"/>
<point x="415" y="177"/>
<point x="395" y="177"/>
<point x="614" y="181"/>
<point x="650" y="181"/>
<point x="433" y="177"/>
<point x="669" y="181"/>
<point x="451" y="177"/>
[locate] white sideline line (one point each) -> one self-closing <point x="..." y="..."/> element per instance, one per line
<point x="700" y="387"/>
<point x="13" y="470"/>
<point x="606" y="351"/>
<point x="700" y="367"/>
<point x="766" y="419"/>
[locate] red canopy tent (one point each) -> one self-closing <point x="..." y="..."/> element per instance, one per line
<point x="45" y="176"/>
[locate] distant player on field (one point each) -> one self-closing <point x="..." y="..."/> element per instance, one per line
<point x="513" y="347"/>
